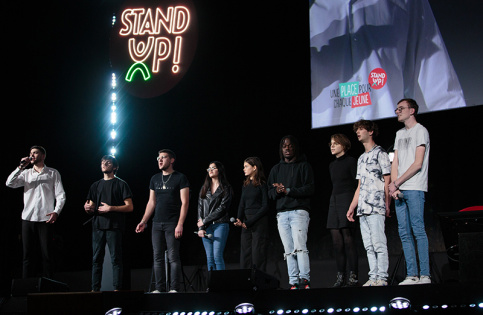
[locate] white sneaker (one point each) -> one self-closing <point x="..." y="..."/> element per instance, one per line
<point x="156" y="291"/>
<point x="370" y="283"/>
<point x="381" y="283"/>
<point x="409" y="281"/>
<point x="173" y="291"/>
<point x="425" y="280"/>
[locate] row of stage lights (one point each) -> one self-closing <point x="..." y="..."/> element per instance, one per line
<point x="367" y="310"/>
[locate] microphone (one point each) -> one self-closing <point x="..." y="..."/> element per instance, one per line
<point x="232" y="220"/>
<point x="400" y="195"/>
<point x="26" y="161"/>
<point x="206" y="235"/>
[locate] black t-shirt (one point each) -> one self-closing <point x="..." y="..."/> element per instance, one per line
<point x="167" y="189"/>
<point x="112" y="192"/>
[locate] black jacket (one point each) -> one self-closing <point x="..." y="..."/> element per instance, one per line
<point x="214" y="207"/>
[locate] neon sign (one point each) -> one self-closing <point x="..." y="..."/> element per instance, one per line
<point x="154" y="44"/>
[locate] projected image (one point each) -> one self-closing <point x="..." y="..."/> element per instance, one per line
<point x="366" y="55"/>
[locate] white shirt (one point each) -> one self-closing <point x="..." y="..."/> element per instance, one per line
<point x="351" y="38"/>
<point x="407" y="140"/>
<point x="40" y="192"/>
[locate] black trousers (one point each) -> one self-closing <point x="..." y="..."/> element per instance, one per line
<point x="254" y="241"/>
<point x="37" y="235"/>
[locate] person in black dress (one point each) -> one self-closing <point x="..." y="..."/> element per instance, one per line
<point x="252" y="216"/>
<point x="343" y="176"/>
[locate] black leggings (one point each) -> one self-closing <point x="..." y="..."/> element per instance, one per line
<point x="345" y="249"/>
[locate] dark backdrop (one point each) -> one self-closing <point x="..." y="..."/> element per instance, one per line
<point x="248" y="86"/>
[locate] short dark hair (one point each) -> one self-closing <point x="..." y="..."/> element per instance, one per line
<point x="368" y="125"/>
<point x="40" y="148"/>
<point x="411" y="103"/>
<point x="113" y="160"/>
<point x="295" y="144"/>
<point x="169" y="152"/>
<point x="342" y="140"/>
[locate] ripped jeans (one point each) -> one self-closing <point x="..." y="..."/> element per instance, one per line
<point x="293" y="227"/>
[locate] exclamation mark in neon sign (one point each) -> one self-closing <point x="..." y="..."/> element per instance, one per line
<point x="177" y="54"/>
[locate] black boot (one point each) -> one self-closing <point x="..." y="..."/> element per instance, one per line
<point x="352" y="279"/>
<point x="340" y="280"/>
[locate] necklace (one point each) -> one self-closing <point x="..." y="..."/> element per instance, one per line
<point x="165" y="182"/>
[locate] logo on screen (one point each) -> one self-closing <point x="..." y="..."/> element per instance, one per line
<point x="153" y="44"/>
<point x="377" y="78"/>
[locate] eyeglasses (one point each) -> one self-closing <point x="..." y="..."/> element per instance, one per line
<point x="400" y="109"/>
<point x="162" y="157"/>
<point x="211" y="169"/>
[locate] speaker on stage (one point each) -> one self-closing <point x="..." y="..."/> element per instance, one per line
<point x="240" y="280"/>
<point x="471" y="257"/>
<point x="21" y="287"/>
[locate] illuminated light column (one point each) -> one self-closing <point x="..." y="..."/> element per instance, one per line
<point x="113" y="113"/>
<point x="113" y="118"/>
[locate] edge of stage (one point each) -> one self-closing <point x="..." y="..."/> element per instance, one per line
<point x="455" y="298"/>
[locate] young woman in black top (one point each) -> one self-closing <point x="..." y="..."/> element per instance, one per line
<point x="343" y="172"/>
<point x="252" y="216"/>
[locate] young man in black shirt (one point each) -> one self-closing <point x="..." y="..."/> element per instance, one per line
<point x="109" y="199"/>
<point x="168" y="200"/>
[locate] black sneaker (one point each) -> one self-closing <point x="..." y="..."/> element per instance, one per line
<point x="340" y="280"/>
<point x="352" y="280"/>
<point x="305" y="284"/>
<point x="294" y="286"/>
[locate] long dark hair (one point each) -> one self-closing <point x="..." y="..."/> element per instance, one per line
<point x="259" y="177"/>
<point x="221" y="177"/>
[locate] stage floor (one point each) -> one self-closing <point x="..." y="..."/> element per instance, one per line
<point x="438" y="298"/>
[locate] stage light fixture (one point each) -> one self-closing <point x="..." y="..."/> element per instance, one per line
<point x="305" y="311"/>
<point x="480" y="305"/>
<point x="113" y="151"/>
<point x="382" y="309"/>
<point x="113" y="118"/>
<point x="374" y="309"/>
<point x="114" y="311"/>
<point x="356" y="309"/>
<point x="245" y="308"/>
<point x="113" y="97"/>
<point x="400" y="303"/>
<point x="113" y="134"/>
<point x="280" y="312"/>
<point x="425" y="307"/>
<point x="330" y="310"/>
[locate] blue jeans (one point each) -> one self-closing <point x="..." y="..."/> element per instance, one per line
<point x="215" y="246"/>
<point x="113" y="238"/>
<point x="375" y="243"/>
<point x="293" y="227"/>
<point x="410" y="218"/>
<point x="163" y="238"/>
